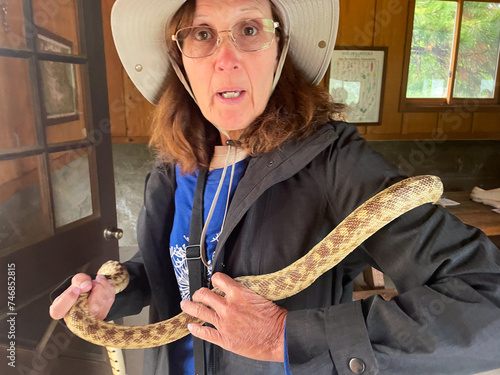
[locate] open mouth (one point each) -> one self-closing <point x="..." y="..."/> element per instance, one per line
<point x="230" y="94"/>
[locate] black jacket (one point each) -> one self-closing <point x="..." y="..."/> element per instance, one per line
<point x="445" y="320"/>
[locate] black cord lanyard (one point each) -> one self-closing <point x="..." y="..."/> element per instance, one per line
<point x="196" y="268"/>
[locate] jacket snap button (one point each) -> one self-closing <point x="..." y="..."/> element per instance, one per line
<point x="357" y="366"/>
<point x="270" y="163"/>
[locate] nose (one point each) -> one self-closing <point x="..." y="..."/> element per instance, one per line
<point x="227" y="55"/>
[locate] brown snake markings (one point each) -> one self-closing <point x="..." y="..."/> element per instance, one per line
<point x="349" y="234"/>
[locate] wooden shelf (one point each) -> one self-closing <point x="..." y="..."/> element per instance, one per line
<point x="386" y="294"/>
<point x="476" y="214"/>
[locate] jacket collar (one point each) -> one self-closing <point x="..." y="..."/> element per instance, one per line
<point x="269" y="169"/>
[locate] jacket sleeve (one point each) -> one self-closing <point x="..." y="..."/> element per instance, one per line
<point x="446" y="317"/>
<point x="152" y="274"/>
<point x="136" y="295"/>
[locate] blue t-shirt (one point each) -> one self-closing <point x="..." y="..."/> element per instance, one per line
<point x="179" y="239"/>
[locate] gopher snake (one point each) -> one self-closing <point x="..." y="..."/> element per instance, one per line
<point x="349" y="234"/>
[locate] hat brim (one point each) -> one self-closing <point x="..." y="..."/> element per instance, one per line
<point x="139" y="33"/>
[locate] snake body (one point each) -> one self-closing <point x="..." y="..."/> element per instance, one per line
<point x="349" y="234"/>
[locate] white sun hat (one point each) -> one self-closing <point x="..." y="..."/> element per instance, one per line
<point x="139" y="31"/>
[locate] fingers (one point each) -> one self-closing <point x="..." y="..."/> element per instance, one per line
<point x="63" y="303"/>
<point x="225" y="283"/>
<point x="199" y="311"/>
<point x="100" y="300"/>
<point x="80" y="283"/>
<point x="204" y="305"/>
<point x="245" y="323"/>
<point x="102" y="297"/>
<point x="206" y="333"/>
<point x="209" y="298"/>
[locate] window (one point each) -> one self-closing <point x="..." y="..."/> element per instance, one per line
<point x="452" y="55"/>
<point x="48" y="146"/>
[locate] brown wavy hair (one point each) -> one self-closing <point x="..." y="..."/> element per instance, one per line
<point x="181" y="134"/>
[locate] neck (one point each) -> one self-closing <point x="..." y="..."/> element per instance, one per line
<point x="234" y="135"/>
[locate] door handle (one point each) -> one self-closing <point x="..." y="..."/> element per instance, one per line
<point x="111" y="233"/>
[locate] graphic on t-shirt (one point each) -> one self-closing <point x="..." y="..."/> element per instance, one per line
<point x="178" y="255"/>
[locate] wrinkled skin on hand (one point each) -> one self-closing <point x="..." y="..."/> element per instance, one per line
<point x="246" y="323"/>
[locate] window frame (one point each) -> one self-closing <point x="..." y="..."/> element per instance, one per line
<point x="439" y="104"/>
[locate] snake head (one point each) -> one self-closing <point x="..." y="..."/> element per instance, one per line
<point x="116" y="272"/>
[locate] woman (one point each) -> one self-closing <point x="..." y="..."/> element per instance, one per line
<point x="243" y="99"/>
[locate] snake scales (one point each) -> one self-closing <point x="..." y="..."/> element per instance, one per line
<point x="349" y="234"/>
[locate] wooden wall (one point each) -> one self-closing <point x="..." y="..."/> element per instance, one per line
<point x="129" y="112"/>
<point x="362" y="23"/>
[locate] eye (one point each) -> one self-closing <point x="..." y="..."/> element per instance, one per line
<point x="202" y="34"/>
<point x="249" y="30"/>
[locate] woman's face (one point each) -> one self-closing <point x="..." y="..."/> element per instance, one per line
<point x="231" y="87"/>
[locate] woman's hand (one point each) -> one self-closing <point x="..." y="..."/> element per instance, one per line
<point x="246" y="323"/>
<point x="100" y="299"/>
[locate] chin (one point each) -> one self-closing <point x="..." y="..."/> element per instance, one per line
<point x="235" y="124"/>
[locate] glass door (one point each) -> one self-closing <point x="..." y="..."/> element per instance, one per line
<point x="56" y="176"/>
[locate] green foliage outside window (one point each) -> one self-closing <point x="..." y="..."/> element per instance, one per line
<point x="432" y="49"/>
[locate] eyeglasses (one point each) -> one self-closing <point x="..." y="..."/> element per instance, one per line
<point x="248" y="36"/>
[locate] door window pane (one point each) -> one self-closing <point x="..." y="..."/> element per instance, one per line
<point x="63" y="101"/>
<point x="431" y="49"/>
<point x="22" y="217"/>
<point x="12" y="24"/>
<point x="17" y="124"/>
<point x="478" y="51"/>
<point x="71" y="186"/>
<point x="58" y="21"/>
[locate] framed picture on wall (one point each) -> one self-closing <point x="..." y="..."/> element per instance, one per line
<point x="57" y="80"/>
<point x="357" y="77"/>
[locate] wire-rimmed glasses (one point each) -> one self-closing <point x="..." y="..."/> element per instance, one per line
<point x="250" y="35"/>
